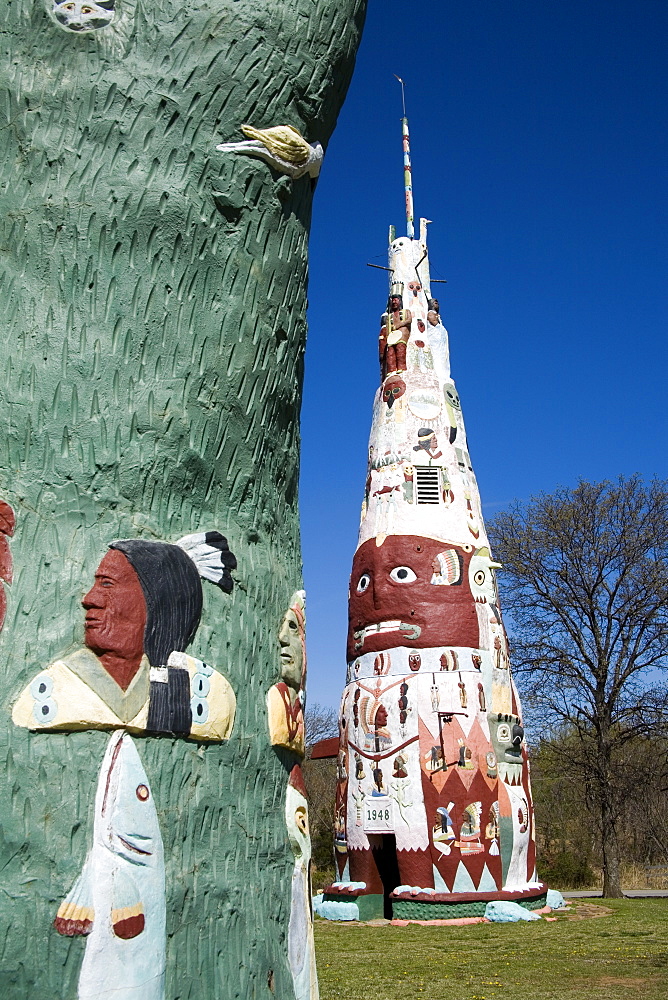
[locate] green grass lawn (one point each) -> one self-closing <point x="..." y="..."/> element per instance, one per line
<point x="619" y="953"/>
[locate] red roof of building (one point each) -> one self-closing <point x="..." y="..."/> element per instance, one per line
<point x="325" y="748"/>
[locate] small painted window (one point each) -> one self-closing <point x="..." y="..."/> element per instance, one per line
<point x="427" y="484"/>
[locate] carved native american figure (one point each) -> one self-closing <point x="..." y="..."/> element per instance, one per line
<point x="152" y="318"/>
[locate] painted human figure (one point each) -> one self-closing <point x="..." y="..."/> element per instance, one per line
<point x="434" y="314"/>
<point x="378" y="780"/>
<point x="394" y="335"/>
<point x="142" y="613"/>
<point x="428" y="442"/>
<point x="301" y="947"/>
<point x="132" y="676"/>
<point x="399" y="767"/>
<point x="284" y="699"/>
<point x="359" y="768"/>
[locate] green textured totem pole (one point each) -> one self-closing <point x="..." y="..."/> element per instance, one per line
<point x="152" y="319"/>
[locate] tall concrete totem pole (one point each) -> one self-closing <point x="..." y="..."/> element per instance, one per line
<point x="155" y="191"/>
<point x="433" y="815"/>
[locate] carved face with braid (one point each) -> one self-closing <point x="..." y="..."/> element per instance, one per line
<point x="147" y="599"/>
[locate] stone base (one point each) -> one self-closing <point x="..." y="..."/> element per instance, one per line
<point x="435" y="905"/>
<point x="449" y="906"/>
<point x="370" y="905"/>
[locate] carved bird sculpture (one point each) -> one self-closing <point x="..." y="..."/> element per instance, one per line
<point x="283" y="147"/>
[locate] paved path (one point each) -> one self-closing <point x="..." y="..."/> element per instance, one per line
<point x="629" y="893"/>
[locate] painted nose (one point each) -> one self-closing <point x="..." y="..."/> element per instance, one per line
<point x="86" y="600"/>
<point x="377" y="602"/>
<point x="94" y="598"/>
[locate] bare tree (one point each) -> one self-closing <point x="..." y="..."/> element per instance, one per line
<point x="586" y="588"/>
<point x="321" y="723"/>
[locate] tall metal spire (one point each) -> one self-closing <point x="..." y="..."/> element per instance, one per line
<point x="408" y="181"/>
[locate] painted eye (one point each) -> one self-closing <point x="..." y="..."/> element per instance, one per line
<point x="503" y="734"/>
<point x="402" y="574"/>
<point x="363" y="583"/>
<point x="479" y="577"/>
<point x="142" y="793"/>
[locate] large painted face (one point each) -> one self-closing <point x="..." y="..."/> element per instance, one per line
<point x="410" y="591"/>
<point x="115" y="609"/>
<point x="75" y="15"/>
<point x="292" y="650"/>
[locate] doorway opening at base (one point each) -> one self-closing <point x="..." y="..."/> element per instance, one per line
<point x="384" y="847"/>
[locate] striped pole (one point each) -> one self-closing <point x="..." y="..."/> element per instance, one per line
<point x="408" y="181"/>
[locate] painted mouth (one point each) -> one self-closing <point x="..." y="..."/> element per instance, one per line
<point x="407" y="630"/>
<point x="131" y="847"/>
<point x="511" y="774"/>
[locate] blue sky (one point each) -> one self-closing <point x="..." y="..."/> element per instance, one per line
<point x="539" y="134"/>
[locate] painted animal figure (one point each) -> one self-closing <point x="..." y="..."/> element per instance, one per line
<point x="282" y="147"/>
<point x="119" y="898"/>
<point x="75" y="15"/>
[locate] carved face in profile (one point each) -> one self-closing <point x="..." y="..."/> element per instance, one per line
<point x="115" y="609"/>
<point x="397" y="598"/>
<point x="291" y="641"/>
<point x="75" y="15"/>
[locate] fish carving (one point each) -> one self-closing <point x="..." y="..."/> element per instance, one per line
<point x="118" y="901"/>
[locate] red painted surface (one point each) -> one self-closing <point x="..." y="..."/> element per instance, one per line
<point x="441" y="615"/>
<point x="7" y="525"/>
<point x="325" y="749"/>
<point x="129" y="928"/>
<point x="73" y="928"/>
<point x="116" y="617"/>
